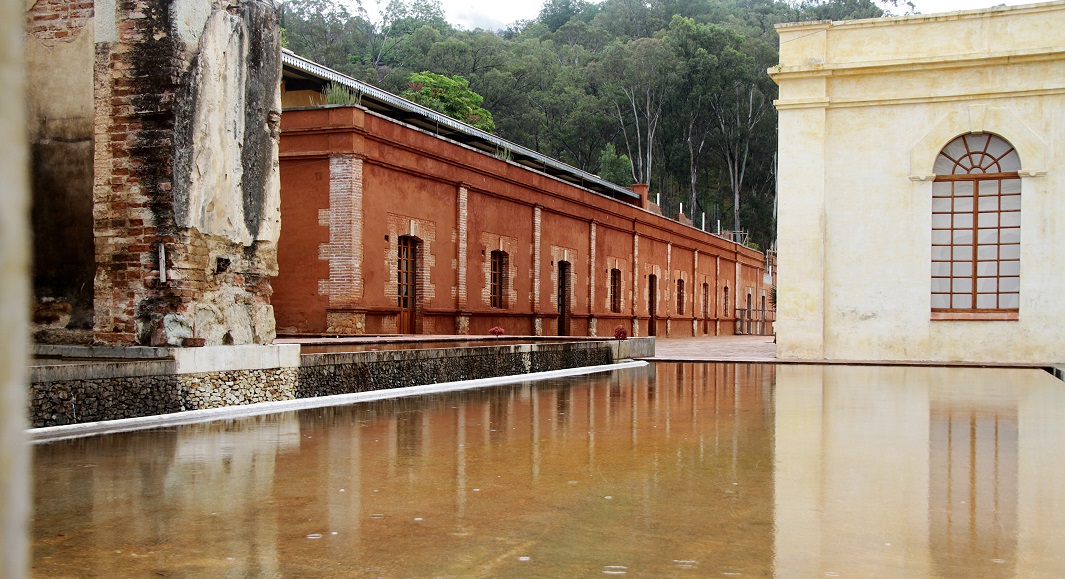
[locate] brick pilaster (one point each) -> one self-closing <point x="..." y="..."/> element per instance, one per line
<point x="591" y="278"/>
<point x="635" y="284"/>
<point x="536" y="260"/>
<point x="462" y="211"/>
<point x="344" y="217"/>
<point x="136" y="83"/>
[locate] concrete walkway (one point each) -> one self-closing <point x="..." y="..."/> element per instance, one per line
<point x="716" y="348"/>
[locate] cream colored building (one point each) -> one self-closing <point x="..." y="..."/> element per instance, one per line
<point x="921" y="196"/>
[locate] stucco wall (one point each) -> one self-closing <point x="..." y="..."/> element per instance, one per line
<point x="59" y="102"/>
<point x="463" y="204"/>
<point x="865" y="107"/>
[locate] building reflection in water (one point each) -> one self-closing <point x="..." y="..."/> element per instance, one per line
<point x="919" y="472"/>
<point x="639" y="468"/>
<point x="703" y="468"/>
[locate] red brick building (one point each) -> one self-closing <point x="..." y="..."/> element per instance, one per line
<point x="396" y="219"/>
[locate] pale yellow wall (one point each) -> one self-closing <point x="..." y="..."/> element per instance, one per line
<point x="300" y="98"/>
<point x="865" y="106"/>
<point x="14" y="297"/>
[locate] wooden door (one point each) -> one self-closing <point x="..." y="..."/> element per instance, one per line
<point x="564" y="283"/>
<point x="407" y="290"/>
<point x="652" y="305"/>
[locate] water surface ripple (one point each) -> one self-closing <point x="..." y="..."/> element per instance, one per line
<point x="667" y="470"/>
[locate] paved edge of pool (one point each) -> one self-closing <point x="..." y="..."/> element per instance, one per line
<point x="56" y="433"/>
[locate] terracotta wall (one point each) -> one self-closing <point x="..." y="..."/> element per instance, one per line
<point x="461" y="205"/>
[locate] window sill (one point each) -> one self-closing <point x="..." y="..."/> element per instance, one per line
<point x="976" y="316"/>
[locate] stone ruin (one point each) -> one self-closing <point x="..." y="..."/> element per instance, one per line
<point x="154" y="129"/>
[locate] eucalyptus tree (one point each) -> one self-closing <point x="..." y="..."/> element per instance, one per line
<point x="638" y="76"/>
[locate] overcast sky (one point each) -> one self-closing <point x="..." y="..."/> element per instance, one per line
<point x="496" y="14"/>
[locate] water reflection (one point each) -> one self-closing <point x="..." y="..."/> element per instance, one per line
<point x="674" y="469"/>
<point x="919" y="472"/>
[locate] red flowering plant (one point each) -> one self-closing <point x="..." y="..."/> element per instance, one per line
<point x="620" y="333"/>
<point x="496" y="331"/>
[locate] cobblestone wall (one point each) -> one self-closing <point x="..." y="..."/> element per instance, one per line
<point x="129" y="390"/>
<point x="330" y="374"/>
<point x="80" y="401"/>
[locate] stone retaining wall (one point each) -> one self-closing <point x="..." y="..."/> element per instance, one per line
<point x="78" y="401"/>
<point x="345" y="373"/>
<point x="110" y="390"/>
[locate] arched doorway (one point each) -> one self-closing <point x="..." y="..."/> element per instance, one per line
<point x="407" y="285"/>
<point x="565" y="282"/>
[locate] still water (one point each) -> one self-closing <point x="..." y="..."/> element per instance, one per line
<point x="702" y="470"/>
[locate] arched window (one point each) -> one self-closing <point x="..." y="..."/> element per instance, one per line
<point x="976" y="226"/>
<point x="497" y="283"/>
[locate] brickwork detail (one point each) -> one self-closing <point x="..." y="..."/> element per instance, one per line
<point x="51" y="21"/>
<point x="570" y="255"/>
<point x="536" y="266"/>
<point x="645" y="297"/>
<point x="344" y="250"/>
<point x="591" y="267"/>
<point x="495" y="242"/>
<point x="214" y="288"/>
<point x="622" y="265"/>
<point x="667" y="284"/>
<point x="425" y="232"/>
<point x="462" y="214"/>
<point x="136" y="85"/>
<point x="635" y="284"/>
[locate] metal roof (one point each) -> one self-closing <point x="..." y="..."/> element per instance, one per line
<point x="389" y="105"/>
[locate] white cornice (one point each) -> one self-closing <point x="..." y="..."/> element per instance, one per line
<point x="918" y="64"/>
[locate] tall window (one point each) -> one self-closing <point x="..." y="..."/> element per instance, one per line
<point x="680" y="297"/>
<point x="615" y="290"/>
<point x="724" y="304"/>
<point x="498" y="281"/>
<point x="976" y="226"/>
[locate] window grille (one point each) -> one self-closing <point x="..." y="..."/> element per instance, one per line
<point x="976" y="226"/>
<point x="497" y="283"/>
<point x="615" y="291"/>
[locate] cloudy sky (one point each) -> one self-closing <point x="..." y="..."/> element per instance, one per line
<point x="496" y="14"/>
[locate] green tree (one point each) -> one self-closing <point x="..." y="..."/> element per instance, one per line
<point x="556" y="13"/>
<point x="614" y="167"/>
<point x="451" y="96"/>
<point x="639" y="75"/>
<point x="324" y="31"/>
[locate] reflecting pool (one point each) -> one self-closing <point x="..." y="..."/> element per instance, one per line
<point x="668" y="470"/>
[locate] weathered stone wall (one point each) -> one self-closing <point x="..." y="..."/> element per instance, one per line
<point x="79" y="401"/>
<point x="155" y="127"/>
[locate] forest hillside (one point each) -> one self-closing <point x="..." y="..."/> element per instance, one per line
<point x="673" y="93"/>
